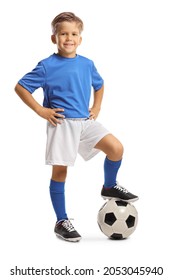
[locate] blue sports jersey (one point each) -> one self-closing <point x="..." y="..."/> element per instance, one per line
<point x="66" y="83"/>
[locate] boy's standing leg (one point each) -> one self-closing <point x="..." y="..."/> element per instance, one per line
<point x="113" y="149"/>
<point x="63" y="227"/>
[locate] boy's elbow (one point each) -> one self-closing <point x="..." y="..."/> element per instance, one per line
<point x="16" y="88"/>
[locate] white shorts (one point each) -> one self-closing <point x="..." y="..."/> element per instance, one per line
<point x="70" y="137"/>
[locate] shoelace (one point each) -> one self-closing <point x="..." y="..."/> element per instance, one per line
<point x="120" y="188"/>
<point x="68" y="225"/>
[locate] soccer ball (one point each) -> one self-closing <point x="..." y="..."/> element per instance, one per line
<point x="117" y="219"/>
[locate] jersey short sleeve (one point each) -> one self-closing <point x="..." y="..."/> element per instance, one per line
<point x="97" y="80"/>
<point x="34" y="79"/>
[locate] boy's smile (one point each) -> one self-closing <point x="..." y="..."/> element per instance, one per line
<point x="67" y="39"/>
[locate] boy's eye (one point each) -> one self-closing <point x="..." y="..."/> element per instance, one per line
<point x="65" y="34"/>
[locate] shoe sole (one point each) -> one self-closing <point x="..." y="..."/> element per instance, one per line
<point x="116" y="198"/>
<point x="75" y="239"/>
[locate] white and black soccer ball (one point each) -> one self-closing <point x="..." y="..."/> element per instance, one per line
<point x="117" y="219"/>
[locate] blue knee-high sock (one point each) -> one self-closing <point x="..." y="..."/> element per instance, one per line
<point x="57" y="194"/>
<point x="110" y="172"/>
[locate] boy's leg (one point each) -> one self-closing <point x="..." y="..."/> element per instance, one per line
<point x="111" y="146"/>
<point x="114" y="152"/>
<point x="113" y="149"/>
<point x="57" y="191"/>
<point x="63" y="227"/>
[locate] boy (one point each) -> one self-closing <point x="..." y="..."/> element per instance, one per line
<point x="66" y="79"/>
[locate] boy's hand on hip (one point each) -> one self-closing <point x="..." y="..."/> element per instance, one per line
<point x="94" y="113"/>
<point x="52" y="115"/>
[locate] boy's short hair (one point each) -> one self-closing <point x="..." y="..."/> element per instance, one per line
<point x="66" y="16"/>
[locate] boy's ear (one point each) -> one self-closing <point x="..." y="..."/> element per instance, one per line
<point x="80" y="41"/>
<point x="53" y="39"/>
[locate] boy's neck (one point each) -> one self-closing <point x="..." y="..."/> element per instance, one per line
<point x="67" y="56"/>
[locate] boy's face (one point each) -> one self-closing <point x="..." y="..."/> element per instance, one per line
<point x="67" y="39"/>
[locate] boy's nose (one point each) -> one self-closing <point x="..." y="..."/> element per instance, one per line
<point x="69" y="37"/>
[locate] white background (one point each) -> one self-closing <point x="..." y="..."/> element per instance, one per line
<point x="131" y="43"/>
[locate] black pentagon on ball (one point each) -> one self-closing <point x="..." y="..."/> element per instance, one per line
<point x="121" y="203"/>
<point x="116" y="236"/>
<point x="110" y="219"/>
<point x="130" y="221"/>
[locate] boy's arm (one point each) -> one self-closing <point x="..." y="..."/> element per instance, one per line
<point x="46" y="113"/>
<point x="95" y="109"/>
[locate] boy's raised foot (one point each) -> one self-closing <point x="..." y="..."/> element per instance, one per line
<point x="118" y="193"/>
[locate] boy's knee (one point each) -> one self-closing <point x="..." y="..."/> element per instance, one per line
<point x="116" y="152"/>
<point x="59" y="173"/>
<point x="119" y="150"/>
